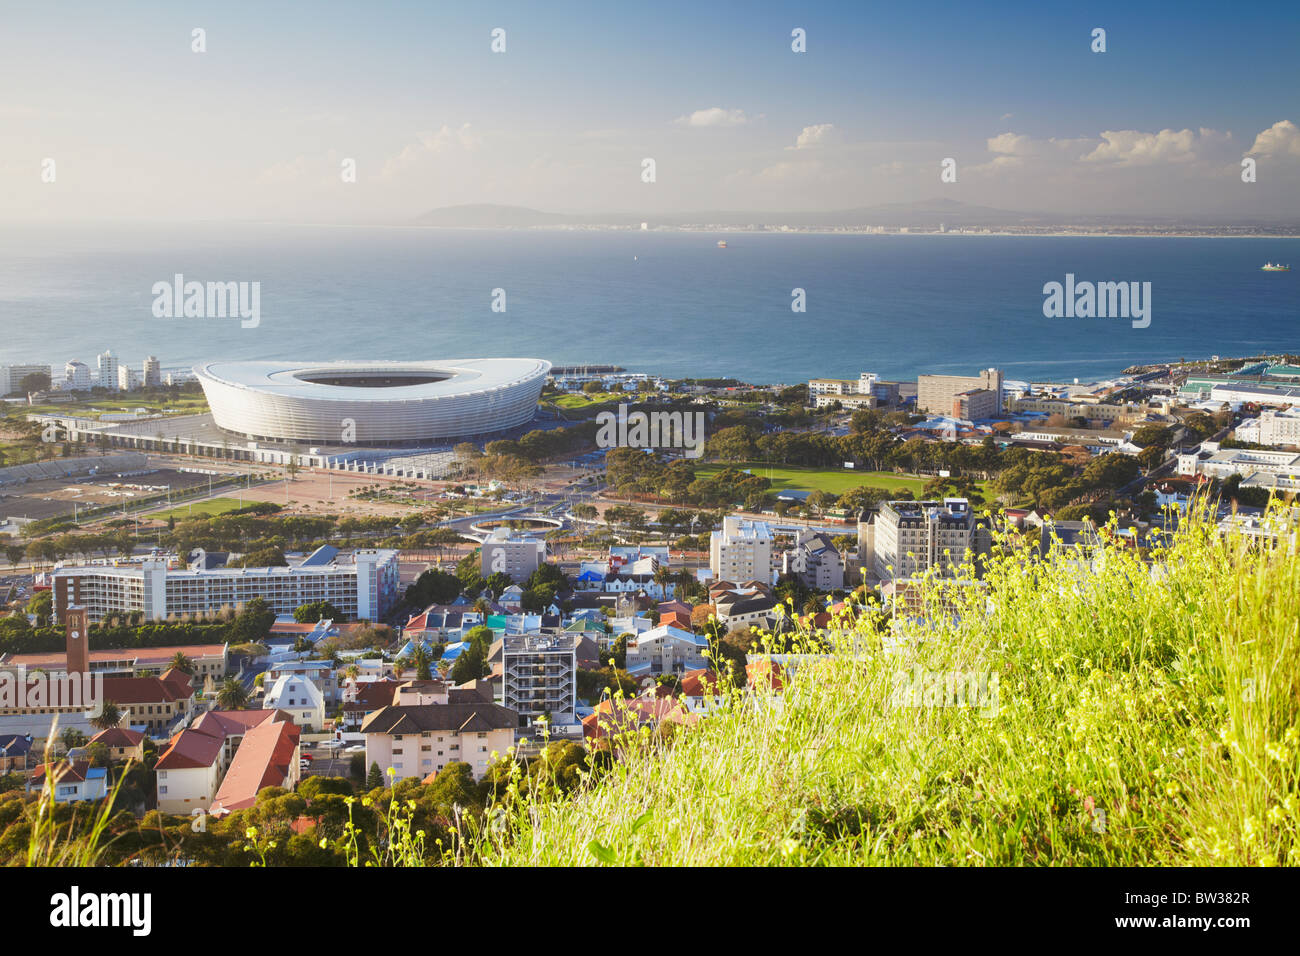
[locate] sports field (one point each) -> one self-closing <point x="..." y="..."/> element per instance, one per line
<point x="211" y="506"/>
<point x="835" y="481"/>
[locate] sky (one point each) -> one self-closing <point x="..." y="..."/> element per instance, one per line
<point x="262" y="123"/>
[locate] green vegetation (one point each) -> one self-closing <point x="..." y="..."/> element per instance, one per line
<point x="835" y="481"/>
<point x="212" y="506"/>
<point x="1144" y="717"/>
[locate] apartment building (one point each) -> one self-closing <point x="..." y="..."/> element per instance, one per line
<point x="937" y="394"/>
<point x="510" y="554"/>
<point x="539" y="675"/>
<point x="1104" y="412"/>
<point x="363" y="586"/>
<point x="268" y="757"/>
<point x="152" y="372"/>
<point x="1279" y="427"/>
<point x="976" y="404"/>
<point x="867" y="391"/>
<point x="911" y="537"/>
<point x="11" y="376"/>
<point x="76" y="377"/>
<point x="815" y="561"/>
<point x="128" y="379"/>
<point x="418" y="740"/>
<point x="108" y="371"/>
<point x="1279" y="469"/>
<point x="741" y="550"/>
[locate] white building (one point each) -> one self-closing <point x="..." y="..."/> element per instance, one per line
<point x="1278" y="467"/>
<point x="298" y="697"/>
<point x="516" y="556"/>
<point x="540" y="677"/>
<point x="666" y="650"/>
<point x="128" y="379"/>
<point x="741" y="551"/>
<point x="76" y="376"/>
<point x="451" y="725"/>
<point x="108" y="371"/>
<point x="1279" y="427"/>
<point x="152" y="372"/>
<point x="363" y="588"/>
<point x="11" y="376"/>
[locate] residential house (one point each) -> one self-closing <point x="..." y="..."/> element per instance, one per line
<point x="298" y="697"/>
<point x="123" y="743"/>
<point x="666" y="650"/>
<point x="190" y="770"/>
<point x="73" y="780"/>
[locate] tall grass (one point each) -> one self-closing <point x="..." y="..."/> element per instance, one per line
<point x="1146" y="715"/>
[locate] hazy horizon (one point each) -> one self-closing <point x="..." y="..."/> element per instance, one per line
<point x="261" y="123"/>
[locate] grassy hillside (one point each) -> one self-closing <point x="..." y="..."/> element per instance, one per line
<point x="1142" y="717"/>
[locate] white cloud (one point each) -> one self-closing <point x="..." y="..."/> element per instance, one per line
<point x="1280" y="139"/>
<point x="822" y="134"/>
<point x="713" y="116"/>
<point x="1130" y="147"/>
<point x="430" y="144"/>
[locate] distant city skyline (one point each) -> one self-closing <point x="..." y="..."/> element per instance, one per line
<point x="260" y="124"/>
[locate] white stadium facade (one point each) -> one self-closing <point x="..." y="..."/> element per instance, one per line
<point x="372" y="403"/>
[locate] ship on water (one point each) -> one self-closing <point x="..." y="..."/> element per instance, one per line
<point x="1274" y="267"/>
<point x="722" y="243"/>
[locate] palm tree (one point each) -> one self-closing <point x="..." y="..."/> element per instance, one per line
<point x="109" y="716"/>
<point x="233" y="695"/>
<point x="423" y="662"/>
<point x="182" y="663"/>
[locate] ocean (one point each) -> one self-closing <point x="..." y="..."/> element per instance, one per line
<point x="670" y="303"/>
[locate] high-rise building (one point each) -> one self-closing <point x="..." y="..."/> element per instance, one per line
<point x="938" y="394"/>
<point x="152" y="372"/>
<point x="539" y="677"/>
<point x="128" y="379"/>
<point x="11" y="376"/>
<point x="108" y="371"/>
<point x="741" y="551"/>
<point x="911" y="537"/>
<point x="76" y="376"/>
<point x="1279" y="427"/>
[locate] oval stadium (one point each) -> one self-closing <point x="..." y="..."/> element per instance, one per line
<point x="383" y="403"/>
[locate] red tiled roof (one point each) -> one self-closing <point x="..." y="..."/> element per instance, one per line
<point x="201" y="743"/>
<point x="64" y="771"/>
<point x="264" y="759"/>
<point x="765" y="674"/>
<point x="174" y="685"/>
<point x="141" y="656"/>
<point x="118" y="737"/>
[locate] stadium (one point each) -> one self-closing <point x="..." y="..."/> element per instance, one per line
<point x="372" y="403"/>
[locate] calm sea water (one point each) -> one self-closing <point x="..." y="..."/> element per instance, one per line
<point x="670" y="303"/>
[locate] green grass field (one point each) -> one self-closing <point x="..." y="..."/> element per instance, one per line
<point x="579" y="400"/>
<point x="835" y="481"/>
<point x="212" y="506"/>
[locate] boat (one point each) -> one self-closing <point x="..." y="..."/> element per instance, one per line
<point x="722" y="243"/>
<point x="1274" y="267"/>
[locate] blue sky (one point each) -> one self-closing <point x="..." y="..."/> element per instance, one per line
<point x="140" y="126"/>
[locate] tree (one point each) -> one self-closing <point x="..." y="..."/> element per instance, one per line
<point x="469" y="665"/>
<point x="374" y="779"/>
<point x="497" y="582"/>
<point x="316" y="611"/>
<point x="233" y="695"/>
<point x="72" y="737"/>
<point x="423" y="662"/>
<point x="109" y="716"/>
<point x="181" y="663"/>
<point x="252" y="624"/>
